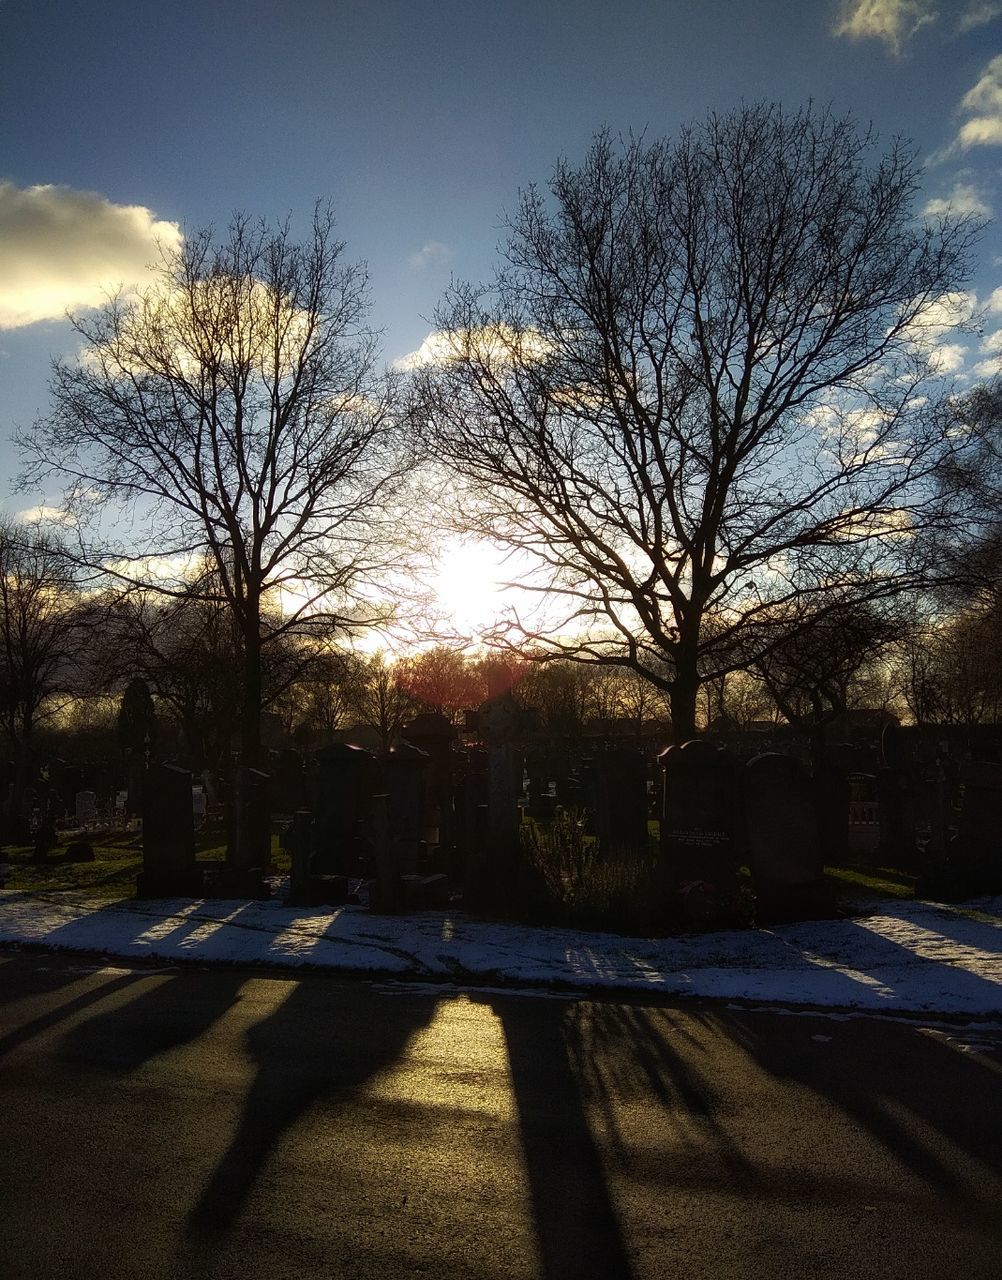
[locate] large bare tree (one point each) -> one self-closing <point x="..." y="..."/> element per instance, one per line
<point x="697" y="392"/>
<point x="43" y="628"/>
<point x="234" y="414"/>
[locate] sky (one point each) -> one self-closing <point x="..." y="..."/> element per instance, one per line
<point x="121" y="122"/>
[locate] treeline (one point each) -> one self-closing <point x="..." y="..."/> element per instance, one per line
<point x="86" y="671"/>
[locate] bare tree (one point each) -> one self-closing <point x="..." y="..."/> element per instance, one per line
<point x="42" y="624"/>
<point x="696" y="393"/>
<point x="234" y="410"/>
<point x="970" y="481"/>
<point x="812" y="671"/>
<point x="383" y="702"/>
<point x="442" y="679"/>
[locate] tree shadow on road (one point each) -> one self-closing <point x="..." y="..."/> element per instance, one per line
<point x="578" y="1233"/>
<point x="310" y="1048"/>
<point x="96" y="987"/>
<point x="916" y="1101"/>
<point x="163" y="1012"/>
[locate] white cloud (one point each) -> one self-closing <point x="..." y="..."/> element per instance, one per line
<point x="941" y="316"/>
<point x="964" y="198"/>
<point x="989" y="368"/>
<point x="978" y="14"/>
<point x="947" y="357"/>
<point x="496" y="345"/>
<point x="994" y="302"/>
<point x="983" y="104"/>
<point x="46" y="515"/>
<point x="896" y="21"/>
<point x="893" y="21"/>
<point x="61" y="249"/>
<point x="433" y="253"/>
<point x="992" y="342"/>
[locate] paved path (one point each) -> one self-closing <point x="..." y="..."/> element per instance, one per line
<point x="219" y="1124"/>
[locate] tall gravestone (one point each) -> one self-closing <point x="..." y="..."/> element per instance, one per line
<point x="976" y="851"/>
<point x="434" y="735"/>
<point x="403" y="769"/>
<point x="698" y="817"/>
<point x="169" y="866"/>
<point x="249" y="851"/>
<point x="784" y="848"/>
<point x="470" y="806"/>
<point x="619" y="799"/>
<point x="342" y="785"/>
<point x="493" y="866"/>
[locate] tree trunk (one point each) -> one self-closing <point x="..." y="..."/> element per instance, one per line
<point x="245" y="843"/>
<point x="684" y="690"/>
<point x="250" y="706"/>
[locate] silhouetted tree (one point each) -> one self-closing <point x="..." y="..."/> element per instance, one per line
<point x="235" y="409"/>
<point x="970" y="480"/>
<point x="39" y="618"/>
<point x="811" y="671"/>
<point x="441" y="679"/>
<point x="697" y="392"/>
<point x="42" y="628"/>
<point x="383" y="701"/>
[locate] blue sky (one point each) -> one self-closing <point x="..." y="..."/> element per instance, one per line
<point x="420" y="122"/>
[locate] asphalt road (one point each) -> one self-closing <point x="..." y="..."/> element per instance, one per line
<point x="163" y="1123"/>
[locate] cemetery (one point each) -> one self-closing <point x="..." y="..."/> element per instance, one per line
<point x="500" y="819"/>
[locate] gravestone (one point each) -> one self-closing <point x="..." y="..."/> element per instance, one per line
<point x="169" y="866"/>
<point x="784" y="848"/>
<point x="698" y="818"/>
<point x="342" y="786"/>
<point x="470" y="803"/>
<point x="403" y="769"/>
<point x="619" y="799"/>
<point x="975" y="852"/>
<point x="386" y="892"/>
<point x="86" y="808"/>
<point x="308" y="888"/>
<point x="864" y="815"/>
<point x="494" y="865"/>
<point x="249" y="849"/>
<point x="79" y="851"/>
<point x="434" y="735"/>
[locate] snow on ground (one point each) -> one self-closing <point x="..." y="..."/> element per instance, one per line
<point x="905" y="957"/>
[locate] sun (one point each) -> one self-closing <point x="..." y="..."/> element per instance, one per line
<point x="469" y="584"/>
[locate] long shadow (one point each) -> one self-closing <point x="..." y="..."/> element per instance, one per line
<point x="119" y="923"/>
<point x="924" y="1079"/>
<point x="619" y="1049"/>
<point x="53" y="1017"/>
<point x="166" y="1012"/>
<point x="309" y="1048"/>
<point x="876" y="955"/>
<point x="578" y="1233"/>
<point x="32" y="975"/>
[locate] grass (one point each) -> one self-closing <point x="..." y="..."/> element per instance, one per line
<point x="118" y="859"/>
<point x="881" y="882"/>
